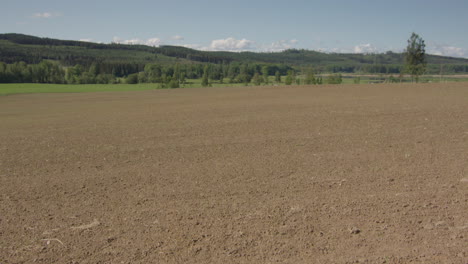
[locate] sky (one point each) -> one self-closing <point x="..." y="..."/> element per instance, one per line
<point x="343" y="26"/>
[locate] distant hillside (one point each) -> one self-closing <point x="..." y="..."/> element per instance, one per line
<point x="31" y="49"/>
<point x="16" y="47"/>
<point x="303" y="57"/>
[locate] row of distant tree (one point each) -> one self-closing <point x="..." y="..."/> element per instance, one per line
<point x="52" y="72"/>
<point x="167" y="76"/>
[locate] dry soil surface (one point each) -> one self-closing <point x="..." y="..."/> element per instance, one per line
<point x="319" y="174"/>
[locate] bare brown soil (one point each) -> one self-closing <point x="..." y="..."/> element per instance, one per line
<point x="320" y="174"/>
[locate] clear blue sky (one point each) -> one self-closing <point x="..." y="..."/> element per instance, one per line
<point x="333" y="25"/>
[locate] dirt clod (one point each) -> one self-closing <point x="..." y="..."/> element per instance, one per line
<point x="354" y="230"/>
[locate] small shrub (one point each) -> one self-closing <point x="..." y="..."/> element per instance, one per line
<point x="334" y="79"/>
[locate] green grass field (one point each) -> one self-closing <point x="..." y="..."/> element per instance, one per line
<point x="24" y="88"/>
<point x="19" y="88"/>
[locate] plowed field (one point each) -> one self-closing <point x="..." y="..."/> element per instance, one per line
<point x="319" y="174"/>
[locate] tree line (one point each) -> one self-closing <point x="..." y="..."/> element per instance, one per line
<point x="168" y="76"/>
<point x="48" y="71"/>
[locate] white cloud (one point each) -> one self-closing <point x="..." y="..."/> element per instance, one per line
<point x="137" y="41"/>
<point x="177" y="37"/>
<point x="237" y="45"/>
<point x="195" y="46"/>
<point x="127" y="41"/>
<point x="279" y="45"/>
<point x="87" y="40"/>
<point x="42" y="15"/>
<point x="339" y="50"/>
<point x="116" y="40"/>
<point x="46" y="15"/>
<point x="365" y="48"/>
<point x="228" y="44"/>
<point x="447" y="50"/>
<point x="134" y="41"/>
<point x="153" y="42"/>
<point x="231" y="44"/>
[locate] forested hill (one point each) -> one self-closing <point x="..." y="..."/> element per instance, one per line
<point x="31" y="49"/>
<point x="302" y="57"/>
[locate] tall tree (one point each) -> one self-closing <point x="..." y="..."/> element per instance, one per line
<point x="277" y="77"/>
<point x="289" y="78"/>
<point x="257" y="79"/>
<point x="310" y="78"/>
<point x="205" y="77"/>
<point x="265" y="70"/>
<point x="415" y="56"/>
